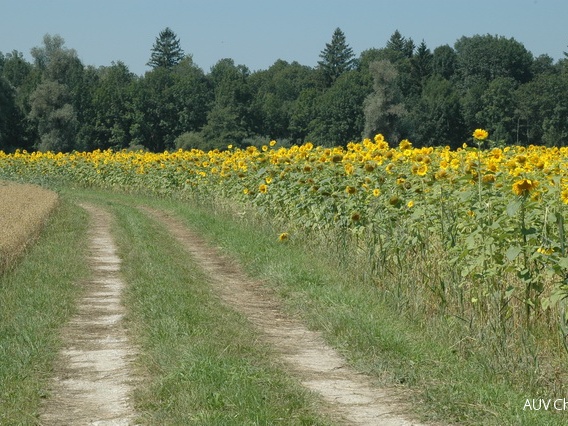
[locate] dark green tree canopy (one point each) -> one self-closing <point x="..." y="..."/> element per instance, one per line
<point x="337" y="57"/>
<point x="167" y="51"/>
<point x="403" y="46"/>
<point x="400" y="89"/>
<point x="489" y="57"/>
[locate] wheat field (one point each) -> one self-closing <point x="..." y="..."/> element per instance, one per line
<point x="24" y="208"/>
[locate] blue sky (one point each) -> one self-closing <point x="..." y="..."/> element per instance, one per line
<point x="256" y="33"/>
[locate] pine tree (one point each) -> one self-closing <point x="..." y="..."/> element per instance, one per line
<point x="337" y="57"/>
<point x="166" y="51"/>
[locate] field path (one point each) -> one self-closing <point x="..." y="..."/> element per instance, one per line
<point x="350" y="396"/>
<point x="93" y="380"/>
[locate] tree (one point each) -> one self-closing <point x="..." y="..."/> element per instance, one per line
<point x="229" y="120"/>
<point x="53" y="47"/>
<point x="384" y="107"/>
<point x="54" y="116"/>
<point x="192" y="94"/>
<point x="17" y="80"/>
<point x="304" y="111"/>
<point x="420" y="68"/>
<point x="56" y="103"/>
<point x="111" y="117"/>
<point x="339" y="118"/>
<point x="154" y="113"/>
<point x="489" y="57"/>
<point x="444" y="61"/>
<point x="166" y="51"/>
<point x="275" y="92"/>
<point x="402" y="46"/>
<point x="436" y="116"/>
<point x="497" y="112"/>
<point x="6" y="113"/>
<point x="337" y="57"/>
<point x="543" y="111"/>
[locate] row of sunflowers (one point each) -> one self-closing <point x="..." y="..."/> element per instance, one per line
<point x="479" y="230"/>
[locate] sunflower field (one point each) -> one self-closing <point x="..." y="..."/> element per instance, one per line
<point x="477" y="233"/>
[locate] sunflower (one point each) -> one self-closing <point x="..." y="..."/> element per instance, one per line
<point x="524" y="186"/>
<point x="480" y="134"/>
<point x="350" y="190"/>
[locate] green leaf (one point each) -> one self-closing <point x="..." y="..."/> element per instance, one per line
<point x="512" y="252"/>
<point x="563" y="262"/>
<point x="513" y="207"/>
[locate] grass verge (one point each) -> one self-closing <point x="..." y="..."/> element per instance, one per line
<point x="445" y="382"/>
<point x="201" y="362"/>
<point x="36" y="298"/>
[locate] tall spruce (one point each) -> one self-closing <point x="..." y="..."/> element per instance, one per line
<point x="166" y="51"/>
<point x="337" y="57"/>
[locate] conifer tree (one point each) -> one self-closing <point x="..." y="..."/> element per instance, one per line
<point x="166" y="51"/>
<point x="337" y="57"/>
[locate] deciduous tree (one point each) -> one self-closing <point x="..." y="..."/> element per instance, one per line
<point x="384" y="107"/>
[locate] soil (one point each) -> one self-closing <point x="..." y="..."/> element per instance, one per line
<point x="93" y="381"/>
<point x="350" y="396"/>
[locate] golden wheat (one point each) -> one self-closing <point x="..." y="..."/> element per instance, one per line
<point x="24" y="209"/>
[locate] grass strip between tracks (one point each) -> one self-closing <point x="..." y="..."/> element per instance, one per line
<point x="201" y="363"/>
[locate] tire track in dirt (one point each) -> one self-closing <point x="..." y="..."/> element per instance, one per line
<point x="92" y="382"/>
<point x="350" y="396"/>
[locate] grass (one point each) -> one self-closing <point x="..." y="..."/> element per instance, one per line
<point x="202" y="362"/>
<point x="36" y="297"/>
<point x="445" y="380"/>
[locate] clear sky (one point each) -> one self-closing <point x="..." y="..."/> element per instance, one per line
<point x="256" y="33"/>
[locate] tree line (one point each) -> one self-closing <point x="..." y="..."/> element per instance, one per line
<point x="402" y="90"/>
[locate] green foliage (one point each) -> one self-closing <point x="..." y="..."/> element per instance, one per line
<point x="166" y="51"/>
<point x="339" y="112"/>
<point x="490" y="57"/>
<point x="111" y="104"/>
<point x="436" y="114"/>
<point x="191" y="140"/>
<point x="384" y="107"/>
<point x="276" y="92"/>
<point x="55" y="117"/>
<point x="500" y="86"/>
<point x="336" y="58"/>
<point x="6" y="113"/>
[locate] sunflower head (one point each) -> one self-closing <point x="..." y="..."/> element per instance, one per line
<point x="480" y="134"/>
<point x="524" y="186"/>
<point x="355" y="217"/>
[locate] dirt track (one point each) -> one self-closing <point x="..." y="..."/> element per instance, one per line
<point x="93" y="381"/>
<point x="349" y="395"/>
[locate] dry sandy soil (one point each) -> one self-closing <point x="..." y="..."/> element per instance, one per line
<point x="93" y="381"/>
